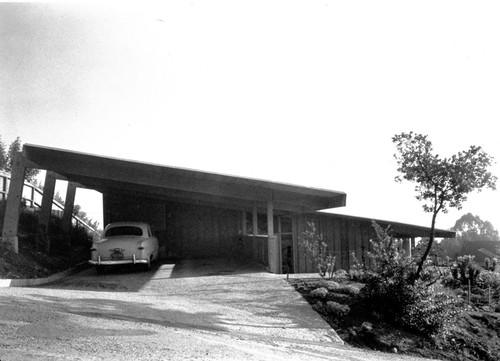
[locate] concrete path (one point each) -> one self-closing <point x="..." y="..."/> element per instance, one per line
<point x="207" y="310"/>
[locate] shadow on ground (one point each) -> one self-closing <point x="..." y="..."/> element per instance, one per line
<point x="134" y="279"/>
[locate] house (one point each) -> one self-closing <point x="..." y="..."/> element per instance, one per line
<point x="200" y="214"/>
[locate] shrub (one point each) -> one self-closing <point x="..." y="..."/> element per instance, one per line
<point x="488" y="279"/>
<point x="391" y="289"/>
<point x="386" y="255"/>
<point x="465" y="270"/>
<point x="490" y="265"/>
<point x="321" y="292"/>
<point x="415" y="306"/>
<point x="316" y="250"/>
<point x="336" y="309"/>
<point x="429" y="312"/>
<point x="340" y="275"/>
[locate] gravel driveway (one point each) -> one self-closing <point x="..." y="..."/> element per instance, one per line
<point x="206" y="310"/>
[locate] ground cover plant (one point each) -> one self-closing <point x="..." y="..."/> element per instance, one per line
<point x="379" y="305"/>
<point x="33" y="261"/>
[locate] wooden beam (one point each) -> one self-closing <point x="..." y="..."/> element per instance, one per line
<point x="13" y="207"/>
<point x="46" y="209"/>
<point x="69" y="204"/>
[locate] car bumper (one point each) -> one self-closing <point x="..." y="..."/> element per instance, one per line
<point x="100" y="262"/>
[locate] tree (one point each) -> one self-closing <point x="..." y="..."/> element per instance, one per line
<point x="6" y="158"/>
<point x="3" y="155"/>
<point x="441" y="183"/>
<point x="472" y="228"/>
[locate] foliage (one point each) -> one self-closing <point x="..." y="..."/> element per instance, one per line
<point x="386" y="257"/>
<point x="336" y="309"/>
<point x="414" y="306"/>
<point x="490" y="264"/>
<point x="472" y="228"/>
<point x="451" y="247"/>
<point x="7" y="157"/>
<point x="392" y="291"/>
<point x="465" y="270"/>
<point x="3" y="155"/>
<point x="441" y="183"/>
<point x="428" y="311"/>
<point x="317" y="251"/>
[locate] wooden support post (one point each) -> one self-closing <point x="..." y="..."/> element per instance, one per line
<point x="273" y="246"/>
<point x="407" y="247"/>
<point x="255" y="231"/>
<point x="46" y="209"/>
<point x="106" y="210"/>
<point x="243" y="223"/>
<point x="69" y="204"/>
<point x="13" y="207"/>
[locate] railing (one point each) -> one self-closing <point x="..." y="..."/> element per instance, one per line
<point x="32" y="197"/>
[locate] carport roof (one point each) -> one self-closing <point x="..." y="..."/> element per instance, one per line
<point x="144" y="180"/>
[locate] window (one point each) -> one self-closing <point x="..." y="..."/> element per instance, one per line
<point x="123" y="231"/>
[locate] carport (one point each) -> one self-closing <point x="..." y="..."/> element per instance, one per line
<point x="195" y="213"/>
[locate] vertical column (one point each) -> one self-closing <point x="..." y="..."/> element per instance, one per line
<point x="255" y="231"/>
<point x="13" y="207"/>
<point x="69" y="204"/>
<point x="243" y="223"/>
<point x="407" y="247"/>
<point x="46" y="209"/>
<point x="106" y="210"/>
<point x="32" y="197"/>
<point x="273" y="247"/>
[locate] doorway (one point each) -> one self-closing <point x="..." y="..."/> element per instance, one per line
<point x="285" y="233"/>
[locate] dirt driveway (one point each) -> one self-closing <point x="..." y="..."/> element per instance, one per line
<point x="206" y="310"/>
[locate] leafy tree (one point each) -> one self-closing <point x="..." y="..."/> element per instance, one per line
<point x="14" y="147"/>
<point x="7" y="157"/>
<point x="441" y="183"/>
<point x="3" y="155"/>
<point x="472" y="228"/>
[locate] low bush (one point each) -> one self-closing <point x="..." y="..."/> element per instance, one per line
<point x="336" y="309"/>
<point x="317" y="251"/>
<point x="416" y="307"/>
<point x="321" y="293"/>
<point x="429" y="311"/>
<point x="465" y="270"/>
<point x="392" y="291"/>
<point x="488" y="279"/>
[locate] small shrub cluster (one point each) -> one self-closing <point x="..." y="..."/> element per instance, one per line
<point x="465" y="270"/>
<point x="490" y="264"/>
<point x="392" y="291"/>
<point x="336" y="309"/>
<point x="331" y="303"/>
<point x="317" y="250"/>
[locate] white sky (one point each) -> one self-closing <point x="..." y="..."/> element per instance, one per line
<point x="304" y="92"/>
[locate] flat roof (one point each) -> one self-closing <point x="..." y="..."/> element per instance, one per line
<point x="116" y="176"/>
<point x="402" y="230"/>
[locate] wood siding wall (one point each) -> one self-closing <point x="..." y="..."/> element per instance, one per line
<point x="343" y="236"/>
<point x="184" y="230"/>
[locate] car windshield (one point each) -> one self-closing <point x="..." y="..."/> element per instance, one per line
<point x="124" y="231"/>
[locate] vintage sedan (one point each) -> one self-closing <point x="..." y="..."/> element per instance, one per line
<point x="125" y="243"/>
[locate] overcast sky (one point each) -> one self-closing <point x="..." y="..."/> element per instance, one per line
<point x="303" y="92"/>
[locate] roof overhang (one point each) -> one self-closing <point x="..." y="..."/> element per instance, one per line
<point x="115" y="176"/>
<point x="400" y="230"/>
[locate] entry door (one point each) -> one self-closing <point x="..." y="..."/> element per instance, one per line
<point x="285" y="233"/>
